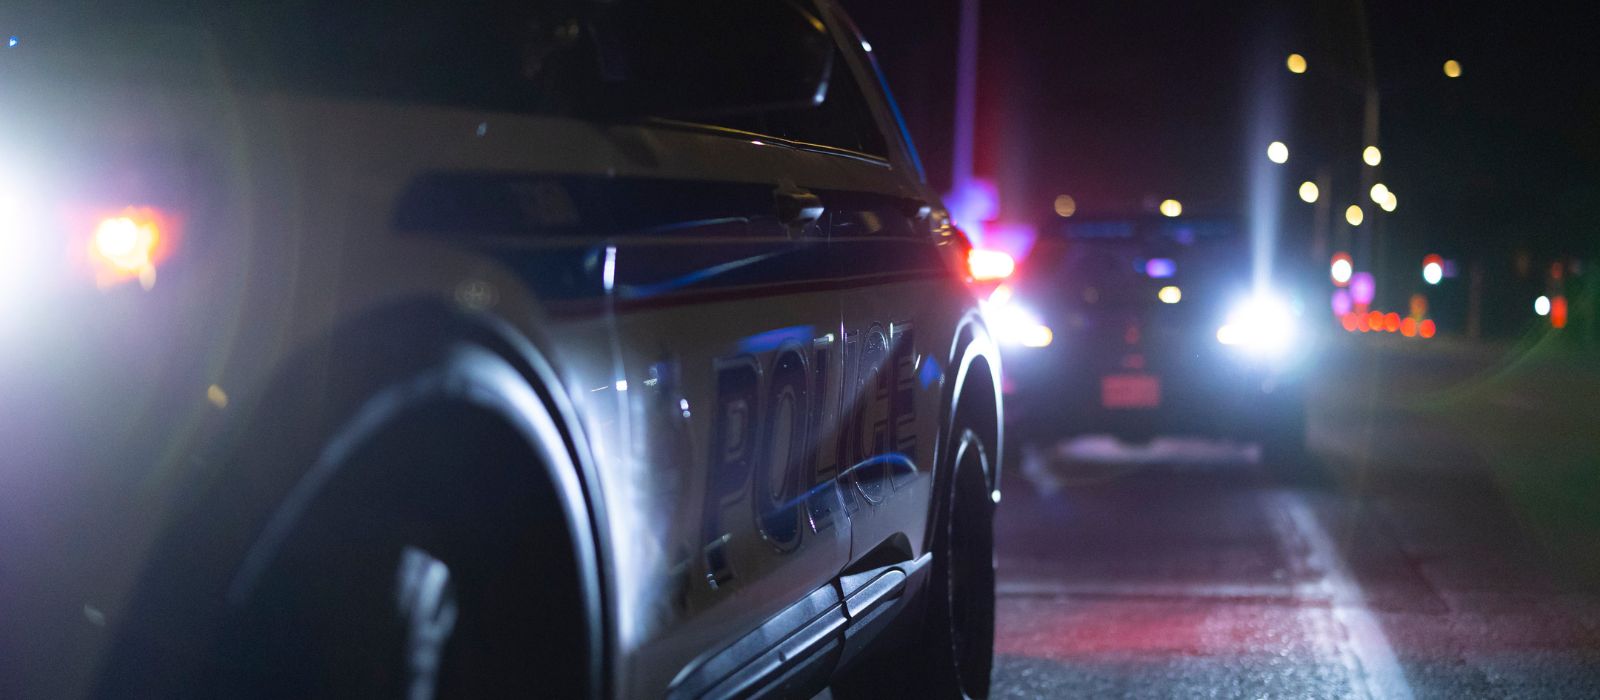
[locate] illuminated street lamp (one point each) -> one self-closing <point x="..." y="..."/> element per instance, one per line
<point x="1308" y="192"/>
<point x="1277" y="152"/>
<point x="1380" y="193"/>
<point x="1171" y="208"/>
<point x="1372" y="156"/>
<point x="1354" y="215"/>
<point x="1297" y="63"/>
<point x="1452" y="68"/>
<point x="1389" y="202"/>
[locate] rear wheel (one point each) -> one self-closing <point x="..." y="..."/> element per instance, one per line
<point x="953" y="655"/>
<point x="430" y="565"/>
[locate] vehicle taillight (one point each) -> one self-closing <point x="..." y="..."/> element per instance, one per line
<point x="989" y="265"/>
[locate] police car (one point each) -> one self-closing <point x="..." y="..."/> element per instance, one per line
<point x="558" y="349"/>
<point x="1146" y="325"/>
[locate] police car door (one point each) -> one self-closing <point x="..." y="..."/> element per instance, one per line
<point x="892" y="314"/>
<point x="727" y="324"/>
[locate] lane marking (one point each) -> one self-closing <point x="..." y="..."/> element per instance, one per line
<point x="1365" y="649"/>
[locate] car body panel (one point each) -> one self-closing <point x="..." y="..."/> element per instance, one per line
<point x="633" y="261"/>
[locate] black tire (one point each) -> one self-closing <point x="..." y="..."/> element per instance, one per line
<point x="423" y="569"/>
<point x="953" y="655"/>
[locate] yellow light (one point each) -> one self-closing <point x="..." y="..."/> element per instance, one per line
<point x="1066" y="206"/>
<point x="1170" y="295"/>
<point x="217" y="396"/>
<point x="1372" y="156"/>
<point x="985" y="265"/>
<point x="1354" y="215"/>
<point x="1171" y="208"/>
<point x="1277" y="152"/>
<point x="1038" y="336"/>
<point x="1380" y="193"/>
<point x="1452" y="68"/>
<point x="1297" y="63"/>
<point x="1389" y="202"/>
<point x="1308" y="192"/>
<point x="125" y="244"/>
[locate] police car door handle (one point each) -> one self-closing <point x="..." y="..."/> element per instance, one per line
<point x="796" y="206"/>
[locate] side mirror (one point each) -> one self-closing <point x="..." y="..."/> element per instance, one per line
<point x="692" y="59"/>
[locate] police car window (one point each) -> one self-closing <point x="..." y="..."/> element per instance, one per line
<point x="501" y="55"/>
<point x="843" y="120"/>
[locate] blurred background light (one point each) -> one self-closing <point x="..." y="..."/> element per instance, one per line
<point x="1452" y="68"/>
<point x="1389" y="201"/>
<point x="1308" y="192"/>
<point x="1171" y="208"/>
<point x="1170" y="295"/>
<point x="1340" y="269"/>
<point x="1372" y="156"/>
<point x="1362" y="288"/>
<point x="1342" y="304"/>
<point x="1380" y="193"/>
<point x="1296" y="63"/>
<point x="1432" y="272"/>
<point x="1541" y="305"/>
<point x="1277" y="152"/>
<point x="1066" y="206"/>
<point x="1160" y="268"/>
<point x="1354" y="215"/>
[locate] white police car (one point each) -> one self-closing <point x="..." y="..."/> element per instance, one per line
<point x="443" y="349"/>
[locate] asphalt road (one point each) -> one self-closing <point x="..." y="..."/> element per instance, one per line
<point x="1446" y="546"/>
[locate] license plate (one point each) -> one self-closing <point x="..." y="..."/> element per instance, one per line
<point x="1130" y="391"/>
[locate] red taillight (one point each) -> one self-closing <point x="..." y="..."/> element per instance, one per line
<point x="989" y="265"/>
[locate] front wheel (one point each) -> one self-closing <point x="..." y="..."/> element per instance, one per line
<point x="421" y="570"/>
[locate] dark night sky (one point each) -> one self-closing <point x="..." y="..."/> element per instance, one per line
<point x="1117" y="102"/>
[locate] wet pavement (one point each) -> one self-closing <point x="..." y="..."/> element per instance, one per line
<point x="1417" y="560"/>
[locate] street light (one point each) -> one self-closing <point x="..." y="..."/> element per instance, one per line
<point x="1308" y="192"/>
<point x="1389" y="202"/>
<point x="1297" y="63"/>
<point x="1372" y="156"/>
<point x="1380" y="193"/>
<point x="1277" y="152"/>
<point x="1452" y="68"/>
<point x="1066" y="206"/>
<point x="1171" y="208"/>
<point x="1354" y="215"/>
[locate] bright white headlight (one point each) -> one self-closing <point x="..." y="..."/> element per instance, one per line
<point x="1259" y="325"/>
